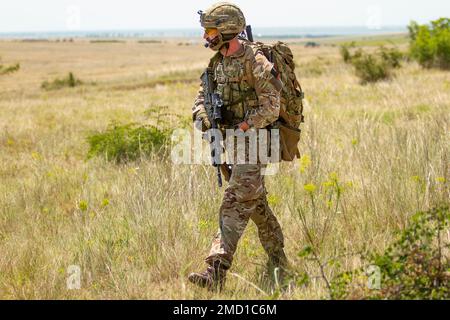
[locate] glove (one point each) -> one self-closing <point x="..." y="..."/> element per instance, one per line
<point x="202" y="120"/>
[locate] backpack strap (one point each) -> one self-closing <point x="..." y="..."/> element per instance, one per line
<point x="248" y="64"/>
<point x="214" y="60"/>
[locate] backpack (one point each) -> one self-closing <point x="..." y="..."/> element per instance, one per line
<point x="291" y="103"/>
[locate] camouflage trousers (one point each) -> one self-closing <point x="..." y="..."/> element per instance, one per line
<point x="245" y="199"/>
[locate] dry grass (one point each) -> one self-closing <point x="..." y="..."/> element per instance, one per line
<point x="136" y="230"/>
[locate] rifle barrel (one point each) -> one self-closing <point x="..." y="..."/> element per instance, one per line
<point x="248" y="31"/>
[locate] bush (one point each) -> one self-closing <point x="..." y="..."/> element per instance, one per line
<point x="430" y="44"/>
<point x="345" y="52"/>
<point x="391" y="56"/>
<point x="122" y="143"/>
<point x="416" y="266"/>
<point x="9" y="69"/>
<point x="312" y="44"/>
<point x="69" y="82"/>
<point x="372" y="67"/>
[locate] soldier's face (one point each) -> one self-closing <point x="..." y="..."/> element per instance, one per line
<point x="212" y="36"/>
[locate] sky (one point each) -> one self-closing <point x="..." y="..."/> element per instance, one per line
<point x="88" y="15"/>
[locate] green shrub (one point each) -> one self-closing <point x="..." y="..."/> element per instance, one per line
<point x="391" y="56"/>
<point x="122" y="143"/>
<point x="415" y="266"/>
<point x="371" y="67"/>
<point x="345" y="52"/>
<point x="430" y="44"/>
<point x="9" y="69"/>
<point x="68" y="82"/>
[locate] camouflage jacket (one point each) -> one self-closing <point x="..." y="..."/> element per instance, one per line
<point x="247" y="86"/>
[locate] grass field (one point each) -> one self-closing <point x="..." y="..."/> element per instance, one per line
<point x="136" y="230"/>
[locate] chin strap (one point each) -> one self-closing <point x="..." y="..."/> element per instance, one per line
<point x="227" y="46"/>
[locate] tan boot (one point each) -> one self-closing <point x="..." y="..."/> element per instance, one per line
<point x="212" y="279"/>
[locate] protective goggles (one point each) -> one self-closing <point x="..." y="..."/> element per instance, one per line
<point x="211" y="32"/>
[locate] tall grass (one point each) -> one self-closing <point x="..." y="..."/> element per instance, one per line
<point x="371" y="157"/>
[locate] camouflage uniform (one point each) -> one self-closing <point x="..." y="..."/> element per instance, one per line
<point x="251" y="93"/>
<point x="245" y="74"/>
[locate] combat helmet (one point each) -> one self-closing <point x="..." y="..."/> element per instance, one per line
<point x="227" y="18"/>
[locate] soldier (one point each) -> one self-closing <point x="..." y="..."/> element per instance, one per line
<point x="246" y="82"/>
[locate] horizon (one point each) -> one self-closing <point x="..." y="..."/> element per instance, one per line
<point x="287" y="31"/>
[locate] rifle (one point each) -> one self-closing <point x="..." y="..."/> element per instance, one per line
<point x="213" y="105"/>
<point x="249" y="33"/>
